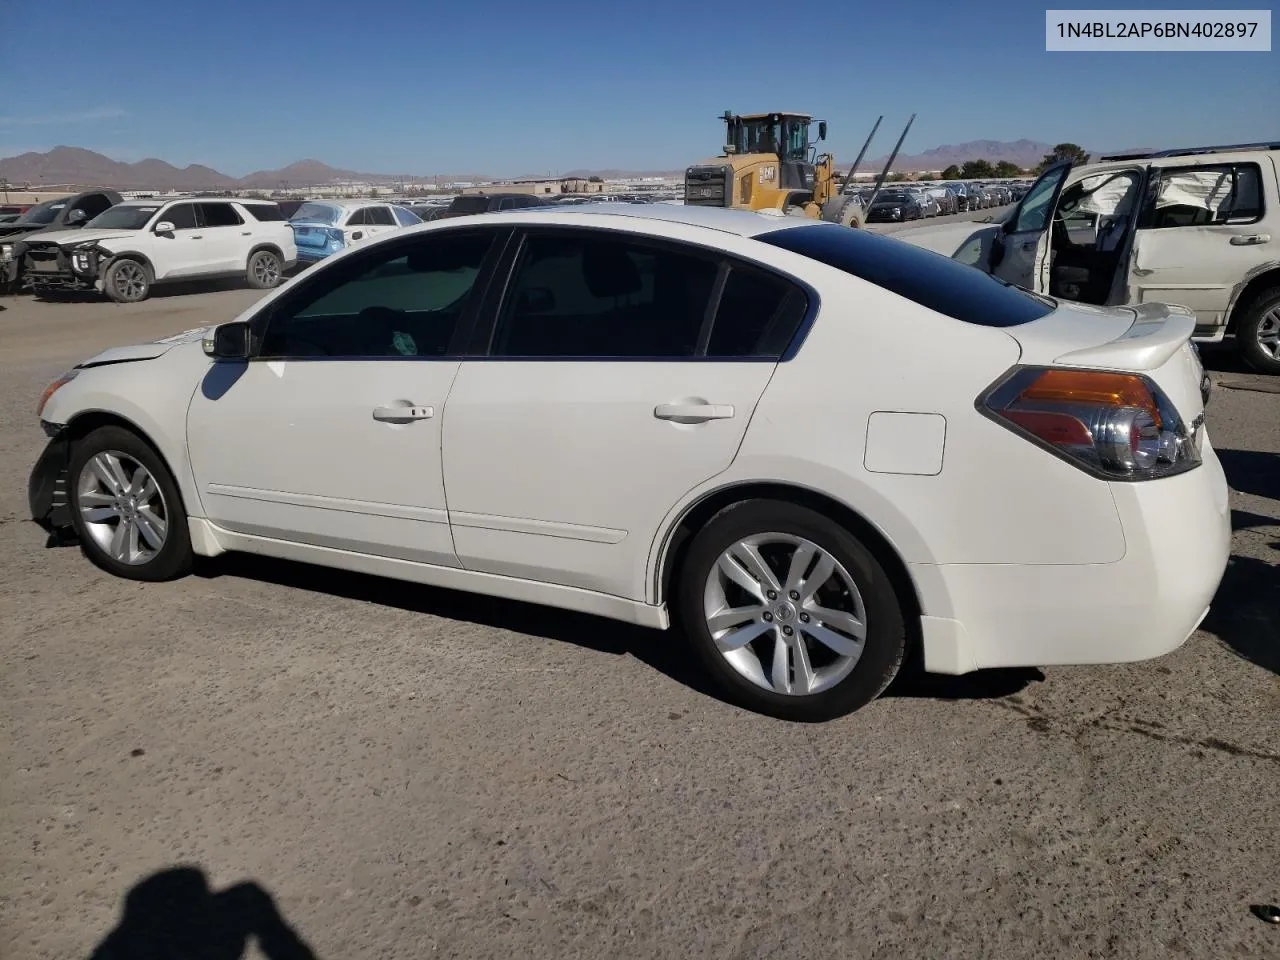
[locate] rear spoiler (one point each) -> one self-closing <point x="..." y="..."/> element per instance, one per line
<point x="1158" y="332"/>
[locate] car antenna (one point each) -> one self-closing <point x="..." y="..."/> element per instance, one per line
<point x="892" y="157"/>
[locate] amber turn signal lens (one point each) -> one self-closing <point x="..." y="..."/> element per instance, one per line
<point x="1090" y="386"/>
<point x="53" y="388"/>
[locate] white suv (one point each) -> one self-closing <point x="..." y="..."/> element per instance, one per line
<point x="134" y="245"/>
<point x="1197" y="227"/>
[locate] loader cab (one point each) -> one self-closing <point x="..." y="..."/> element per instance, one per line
<point x="785" y="135"/>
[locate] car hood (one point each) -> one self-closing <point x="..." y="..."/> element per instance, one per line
<point x="144" y="351"/>
<point x="82" y="235"/>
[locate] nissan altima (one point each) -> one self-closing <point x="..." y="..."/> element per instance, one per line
<point x="814" y="450"/>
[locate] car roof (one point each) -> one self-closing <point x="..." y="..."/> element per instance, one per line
<point x="743" y="223"/>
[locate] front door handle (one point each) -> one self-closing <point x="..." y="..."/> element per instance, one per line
<point x="196" y="236"/>
<point x="403" y="414"/>
<point x="1250" y="239"/>
<point x="693" y="412"/>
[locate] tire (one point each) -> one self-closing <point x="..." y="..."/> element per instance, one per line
<point x="1258" y="332"/>
<point x="99" y="509"/>
<point x="841" y="681"/>
<point x="264" y="270"/>
<point x="127" y="281"/>
<point x="844" y="210"/>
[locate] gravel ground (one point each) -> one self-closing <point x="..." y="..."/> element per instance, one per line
<point x="391" y="771"/>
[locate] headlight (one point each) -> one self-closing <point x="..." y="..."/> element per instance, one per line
<point x="80" y="262"/>
<point x="6" y="251"/>
<point x="53" y="388"/>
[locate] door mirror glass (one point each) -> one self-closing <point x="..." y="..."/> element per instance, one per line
<point x="822" y="129"/>
<point x="164" y="226"/>
<point x="227" y="341"/>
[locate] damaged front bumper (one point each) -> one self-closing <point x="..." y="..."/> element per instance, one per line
<point x="47" y="494"/>
<point x="56" y="268"/>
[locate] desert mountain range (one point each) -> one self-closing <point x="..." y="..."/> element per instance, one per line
<point x="75" y="165"/>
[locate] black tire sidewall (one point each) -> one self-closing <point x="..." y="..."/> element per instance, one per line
<point x="886" y="635"/>
<point x="1247" y="332"/>
<point x="175" y="557"/>
<point x="109" y="281"/>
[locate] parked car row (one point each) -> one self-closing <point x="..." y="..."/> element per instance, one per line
<point x="919" y="200"/>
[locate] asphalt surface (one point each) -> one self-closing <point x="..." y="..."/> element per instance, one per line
<point x="392" y="771"/>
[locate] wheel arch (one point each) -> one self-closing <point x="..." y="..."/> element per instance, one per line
<point x="142" y="258"/>
<point x="269" y="247"/>
<point x="1260" y="278"/>
<point x="86" y="421"/>
<point x="675" y="544"/>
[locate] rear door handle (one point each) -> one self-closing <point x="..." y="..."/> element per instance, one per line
<point x="197" y="236"/>
<point x="403" y="414"/>
<point x="693" y="412"/>
<point x="1250" y="239"/>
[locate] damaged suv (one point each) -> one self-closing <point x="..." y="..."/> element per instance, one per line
<point x="136" y="244"/>
<point x="1198" y="227"/>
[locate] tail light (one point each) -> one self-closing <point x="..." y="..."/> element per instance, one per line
<point x="1117" y="426"/>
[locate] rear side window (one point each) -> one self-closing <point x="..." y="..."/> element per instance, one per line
<point x="380" y="216"/>
<point x="1204" y="196"/>
<point x="758" y="315"/>
<point x="264" y="212"/>
<point x="473" y="204"/>
<point x="219" y="215"/>
<point x="929" y="279"/>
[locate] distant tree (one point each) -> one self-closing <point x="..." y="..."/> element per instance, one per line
<point x="897" y="177"/>
<point x="1006" y="169"/>
<point x="951" y="173"/>
<point x="373" y="193"/>
<point x="1063" y="151"/>
<point x="595" y="179"/>
<point x="977" y="170"/>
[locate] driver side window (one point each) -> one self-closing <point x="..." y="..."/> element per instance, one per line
<point x="400" y="301"/>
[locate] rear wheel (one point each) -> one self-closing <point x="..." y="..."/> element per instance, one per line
<point x="264" y="270"/>
<point x="790" y="614"/>
<point x="1258" y="332"/>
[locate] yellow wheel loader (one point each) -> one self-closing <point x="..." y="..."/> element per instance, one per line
<point x="770" y="163"/>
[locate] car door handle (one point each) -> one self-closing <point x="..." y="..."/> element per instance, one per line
<point x="1250" y="239"/>
<point x="246" y="233"/>
<point x="403" y="414"/>
<point x="693" y="412"/>
<point x="197" y="236"/>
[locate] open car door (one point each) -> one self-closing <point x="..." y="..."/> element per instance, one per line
<point x="1021" y="253"/>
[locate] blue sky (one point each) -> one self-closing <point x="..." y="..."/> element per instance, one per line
<point x="508" y="86"/>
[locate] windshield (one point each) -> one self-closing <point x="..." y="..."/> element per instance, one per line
<point x="324" y="212"/>
<point x="44" y="212"/>
<point x="124" y="216"/>
<point x="892" y="198"/>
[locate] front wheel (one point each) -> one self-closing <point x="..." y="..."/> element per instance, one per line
<point x="125" y="507"/>
<point x="127" y="281"/>
<point x="1258" y="333"/>
<point x="790" y="614"/>
<point x="264" y="270"/>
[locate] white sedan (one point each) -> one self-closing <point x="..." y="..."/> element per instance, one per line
<point x="816" y="449"/>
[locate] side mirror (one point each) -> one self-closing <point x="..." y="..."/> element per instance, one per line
<point x="76" y="217"/>
<point x="165" y="227"/>
<point x="358" y="235"/>
<point x="227" y="341"/>
<point x="822" y="129"/>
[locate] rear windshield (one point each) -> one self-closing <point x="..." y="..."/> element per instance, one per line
<point x="477" y="204"/>
<point x="944" y="285"/>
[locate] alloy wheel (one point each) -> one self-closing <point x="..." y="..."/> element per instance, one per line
<point x="122" y="507"/>
<point x="266" y="270"/>
<point x="1269" y="333"/>
<point x="785" y="614"/>
<point x="130" y="280"/>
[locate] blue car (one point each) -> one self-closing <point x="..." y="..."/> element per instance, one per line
<point x="322" y="227"/>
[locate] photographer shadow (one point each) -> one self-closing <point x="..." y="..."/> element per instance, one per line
<point x="174" y="915"/>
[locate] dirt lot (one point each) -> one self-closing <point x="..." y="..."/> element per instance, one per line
<point x="409" y="772"/>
